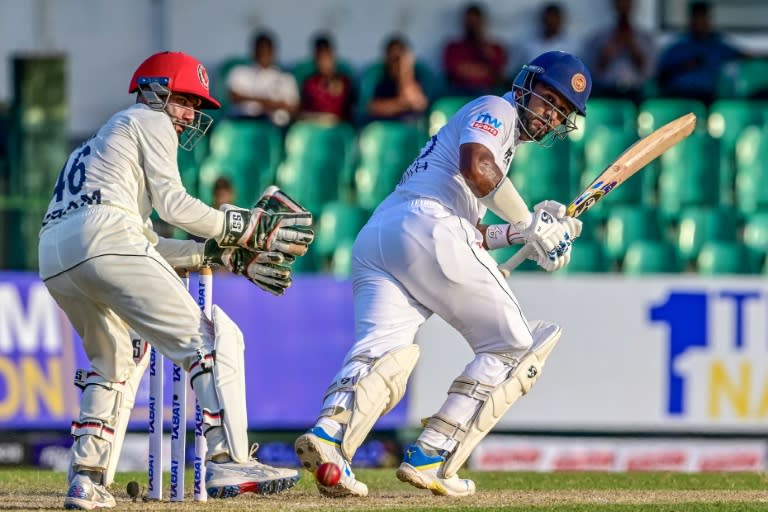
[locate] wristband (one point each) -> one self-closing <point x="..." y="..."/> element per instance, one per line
<point x="502" y="235"/>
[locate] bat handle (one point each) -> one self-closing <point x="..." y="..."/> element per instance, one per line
<point x="516" y="259"/>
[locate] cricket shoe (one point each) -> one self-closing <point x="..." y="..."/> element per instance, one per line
<point x="84" y="494"/>
<point x="230" y="479"/>
<point x="315" y="448"/>
<point x="423" y="471"/>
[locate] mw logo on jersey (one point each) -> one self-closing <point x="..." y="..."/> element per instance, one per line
<point x="487" y="123"/>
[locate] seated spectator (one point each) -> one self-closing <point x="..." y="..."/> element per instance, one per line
<point x="261" y="89"/>
<point x="327" y="94"/>
<point x="398" y="93"/>
<point x="548" y="37"/>
<point x="474" y="64"/>
<point x="223" y="192"/>
<point x="621" y="57"/>
<point x="690" y="66"/>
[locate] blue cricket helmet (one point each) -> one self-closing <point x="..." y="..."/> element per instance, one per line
<point x="562" y="71"/>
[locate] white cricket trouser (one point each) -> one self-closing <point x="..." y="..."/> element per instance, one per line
<point x="104" y="274"/>
<point x="110" y="277"/>
<point x="416" y="258"/>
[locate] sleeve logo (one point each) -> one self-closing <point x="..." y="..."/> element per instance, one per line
<point x="487" y="123"/>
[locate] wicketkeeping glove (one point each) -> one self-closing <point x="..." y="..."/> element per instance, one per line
<point x="275" y="223"/>
<point x="268" y="270"/>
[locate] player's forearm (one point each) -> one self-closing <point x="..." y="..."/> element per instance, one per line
<point x="181" y="253"/>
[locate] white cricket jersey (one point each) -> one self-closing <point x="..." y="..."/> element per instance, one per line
<point x="128" y="168"/>
<point x="487" y="120"/>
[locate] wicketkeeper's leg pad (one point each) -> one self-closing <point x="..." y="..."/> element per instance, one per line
<point x="97" y="443"/>
<point x="494" y="401"/>
<point x="218" y="379"/>
<point x="374" y="393"/>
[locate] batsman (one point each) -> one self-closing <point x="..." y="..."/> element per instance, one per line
<point x="112" y="275"/>
<point x="424" y="252"/>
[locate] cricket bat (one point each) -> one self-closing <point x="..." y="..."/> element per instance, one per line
<point x="634" y="158"/>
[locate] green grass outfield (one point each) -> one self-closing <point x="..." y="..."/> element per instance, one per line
<point x="30" y="489"/>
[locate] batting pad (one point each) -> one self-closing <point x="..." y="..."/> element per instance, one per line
<point x="375" y="394"/>
<point x="497" y="403"/>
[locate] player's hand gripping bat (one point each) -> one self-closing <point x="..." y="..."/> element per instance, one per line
<point x="634" y="158"/>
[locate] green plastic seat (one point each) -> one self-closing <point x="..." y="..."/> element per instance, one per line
<point x="728" y="118"/>
<point x="443" y="109"/>
<point x="723" y="257"/>
<point x="626" y="224"/>
<point x="653" y="113"/>
<point x="602" y="148"/>
<point x="602" y="113"/>
<point x="697" y="225"/>
<point x="689" y="175"/>
<point x="337" y="224"/>
<point x="189" y="165"/>
<point x="341" y="262"/>
<point x="542" y="173"/>
<point x="387" y="148"/>
<point x="755" y="236"/>
<point x="651" y="256"/>
<point x="317" y="156"/>
<point x="744" y="78"/>
<point x="588" y="256"/>
<point x="751" y="181"/>
<point x="246" y="151"/>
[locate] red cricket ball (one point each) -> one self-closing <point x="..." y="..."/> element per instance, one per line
<point x="328" y="474"/>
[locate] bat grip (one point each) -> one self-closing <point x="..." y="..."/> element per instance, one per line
<point x="520" y="256"/>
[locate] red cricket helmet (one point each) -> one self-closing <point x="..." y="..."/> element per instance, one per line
<point x="179" y="72"/>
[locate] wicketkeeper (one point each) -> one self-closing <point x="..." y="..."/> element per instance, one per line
<point x="110" y="272"/>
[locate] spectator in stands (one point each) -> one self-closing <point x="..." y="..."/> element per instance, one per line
<point x="474" y="64"/>
<point x="690" y="66"/>
<point x="621" y="57"/>
<point x="398" y="94"/>
<point x="223" y="192"/>
<point x="327" y="94"/>
<point x="262" y="89"/>
<point x="549" y="36"/>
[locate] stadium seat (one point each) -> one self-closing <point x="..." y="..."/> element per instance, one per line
<point x="603" y="147"/>
<point x="341" y="262"/>
<point x="189" y="165"/>
<point x="442" y="110"/>
<point x="689" y="175"/>
<point x="542" y="173"/>
<point x="719" y="257"/>
<point x="387" y="148"/>
<point x="755" y="236"/>
<point x="618" y="114"/>
<point x="247" y="152"/>
<point x="651" y="256"/>
<point x="751" y="181"/>
<point x="587" y="256"/>
<point x="337" y="224"/>
<point x="745" y="78"/>
<point x="626" y="224"/>
<point x="316" y="156"/>
<point x="697" y="225"/>
<point x="728" y="118"/>
<point x="655" y="112"/>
